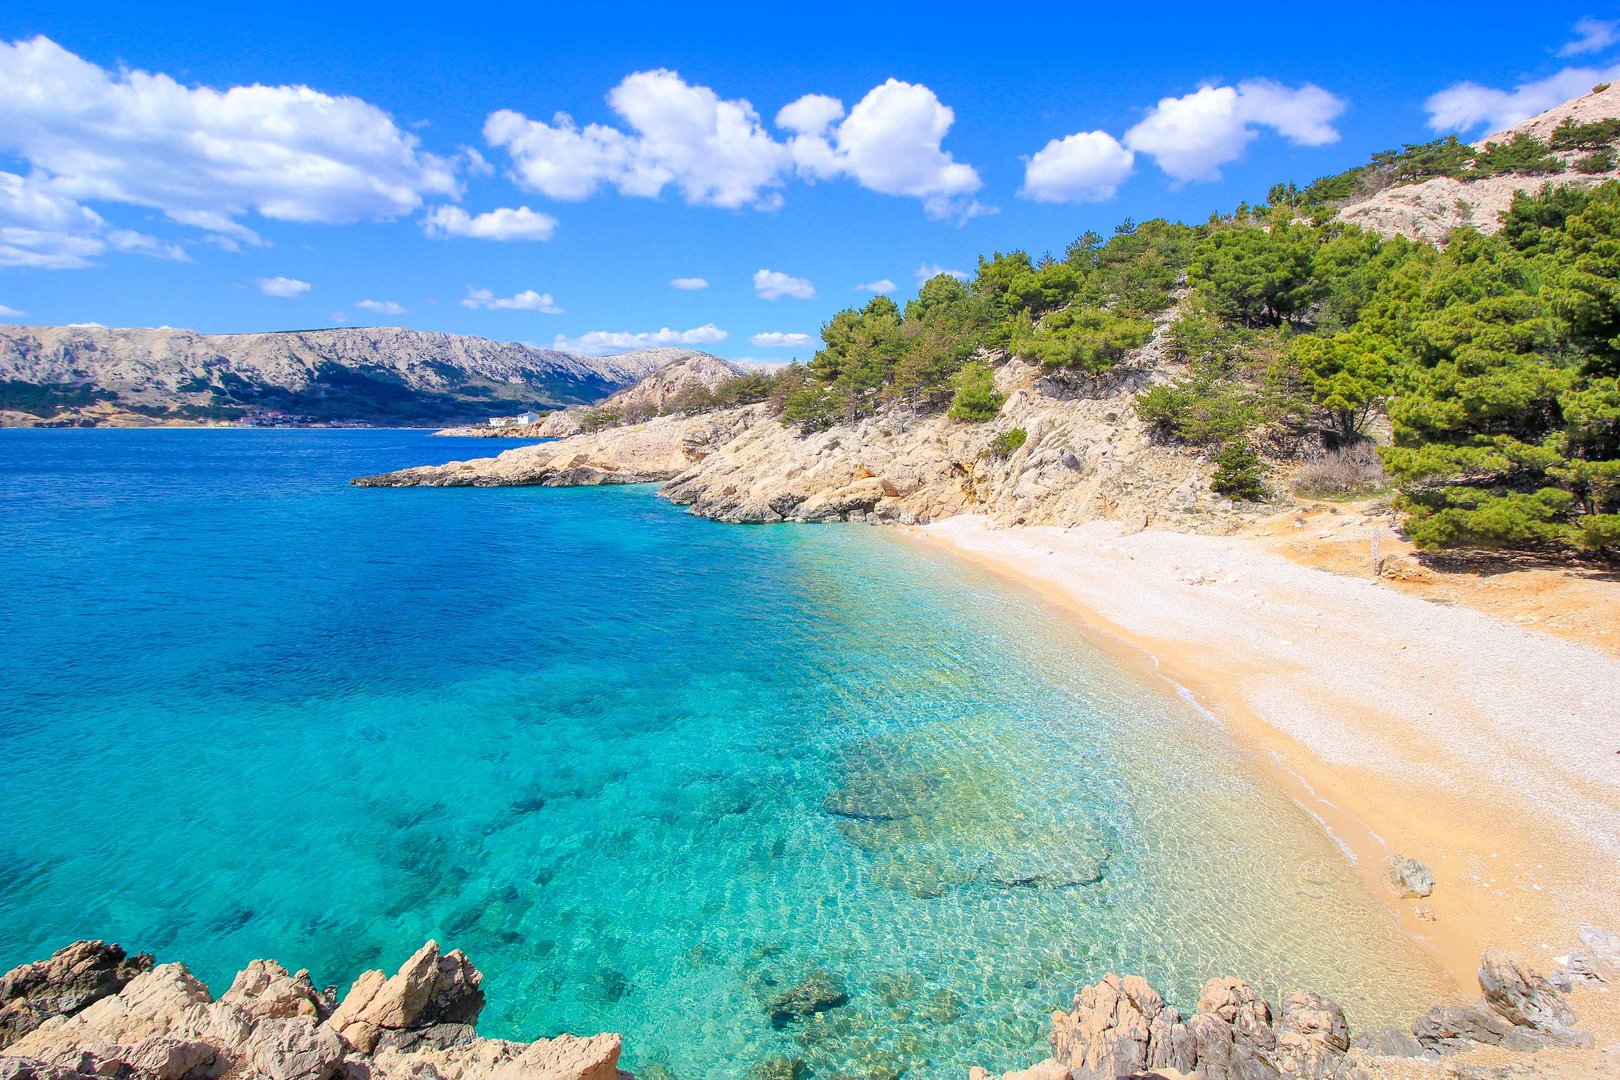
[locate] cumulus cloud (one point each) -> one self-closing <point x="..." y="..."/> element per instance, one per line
<point x="714" y="151"/>
<point x="1468" y="105"/>
<point x="604" y="342"/>
<point x="445" y="222"/>
<point x="281" y="286"/>
<point x="1085" y="167"/>
<point x="882" y="286"/>
<point x="381" y="307"/>
<point x="43" y="228"/>
<point x="527" y="300"/>
<point x="1193" y="136"/>
<point x="933" y="270"/>
<point x="890" y="143"/>
<point x="1591" y="36"/>
<point x="773" y="285"/>
<point x="11" y="312"/>
<point x="688" y="284"/>
<point x="717" y="151"/>
<point x="206" y="157"/>
<point x="776" y="339"/>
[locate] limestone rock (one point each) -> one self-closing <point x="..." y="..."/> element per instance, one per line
<point x="1453" y="1027"/>
<point x="1312" y="1037"/>
<point x="1050" y="1069"/>
<point x="1408" y="877"/>
<point x="429" y="989"/>
<point x="1119" y="1026"/>
<point x="293" y="1048"/>
<point x="1388" y="1042"/>
<point x="161" y="1057"/>
<point x="1521" y="995"/>
<point x="72" y="979"/>
<point x="266" y="991"/>
<point x="164" y="1025"/>
<point x="566" y="1057"/>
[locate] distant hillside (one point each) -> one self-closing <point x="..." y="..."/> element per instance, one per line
<point x="93" y="375"/>
<point x="674" y="387"/>
<point x="1569" y="145"/>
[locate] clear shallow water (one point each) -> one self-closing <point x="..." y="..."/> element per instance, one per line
<point x="645" y="769"/>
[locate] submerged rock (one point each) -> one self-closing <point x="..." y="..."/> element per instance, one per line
<point x="815" y="993"/>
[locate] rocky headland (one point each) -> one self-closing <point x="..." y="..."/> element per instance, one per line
<point x="92" y="1011"/>
<point x="1083" y="454"/>
<point x="655" y="395"/>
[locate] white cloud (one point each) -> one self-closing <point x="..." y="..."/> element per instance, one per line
<point x="889" y="143"/>
<point x="11" y="312"/>
<point x="208" y="157"/>
<point x="1591" y="35"/>
<point x="714" y="151"/>
<point x="882" y="286"/>
<point x="381" y="307"/>
<point x="688" y="284"/>
<point x="933" y="270"/>
<point x="42" y="228"/>
<point x="445" y="222"/>
<point x="1192" y="136"/>
<point x="773" y="285"/>
<point x="1085" y="167"/>
<point x="776" y="339"/>
<point x="281" y="286"/>
<point x="527" y="300"/>
<point x="717" y="151"/>
<point x="604" y="342"/>
<point x="1468" y="105"/>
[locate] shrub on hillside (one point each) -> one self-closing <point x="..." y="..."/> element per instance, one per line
<point x="1353" y="470"/>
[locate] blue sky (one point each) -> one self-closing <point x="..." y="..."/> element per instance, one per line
<point x="424" y="168"/>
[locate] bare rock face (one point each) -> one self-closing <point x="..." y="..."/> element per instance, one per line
<point x="72" y="979"/>
<point x="1431" y="210"/>
<point x="429" y="990"/>
<point x="266" y="991"/>
<point x="1120" y="1026"/>
<point x="270" y="1025"/>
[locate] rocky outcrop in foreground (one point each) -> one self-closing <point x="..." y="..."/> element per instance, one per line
<point x="89" y="1011"/>
<point x="1122" y="1027"/>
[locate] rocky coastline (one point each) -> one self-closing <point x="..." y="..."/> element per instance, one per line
<point x="93" y="1011"/>
<point x="1085" y="455"/>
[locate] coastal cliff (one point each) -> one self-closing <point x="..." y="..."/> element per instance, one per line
<point x="92" y="1011"/>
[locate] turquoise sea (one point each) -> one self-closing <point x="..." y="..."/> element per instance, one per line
<point x="646" y="770"/>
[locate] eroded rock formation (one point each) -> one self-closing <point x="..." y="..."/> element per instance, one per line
<point x="99" y="1015"/>
<point x="1121" y="1027"/>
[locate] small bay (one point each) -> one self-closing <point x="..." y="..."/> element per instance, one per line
<point x="650" y="772"/>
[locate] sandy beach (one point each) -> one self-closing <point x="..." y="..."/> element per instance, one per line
<point x="1486" y="749"/>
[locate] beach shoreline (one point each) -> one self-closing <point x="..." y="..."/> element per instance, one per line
<point x="1404" y="727"/>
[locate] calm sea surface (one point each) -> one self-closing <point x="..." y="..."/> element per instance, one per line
<point x="646" y="770"/>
